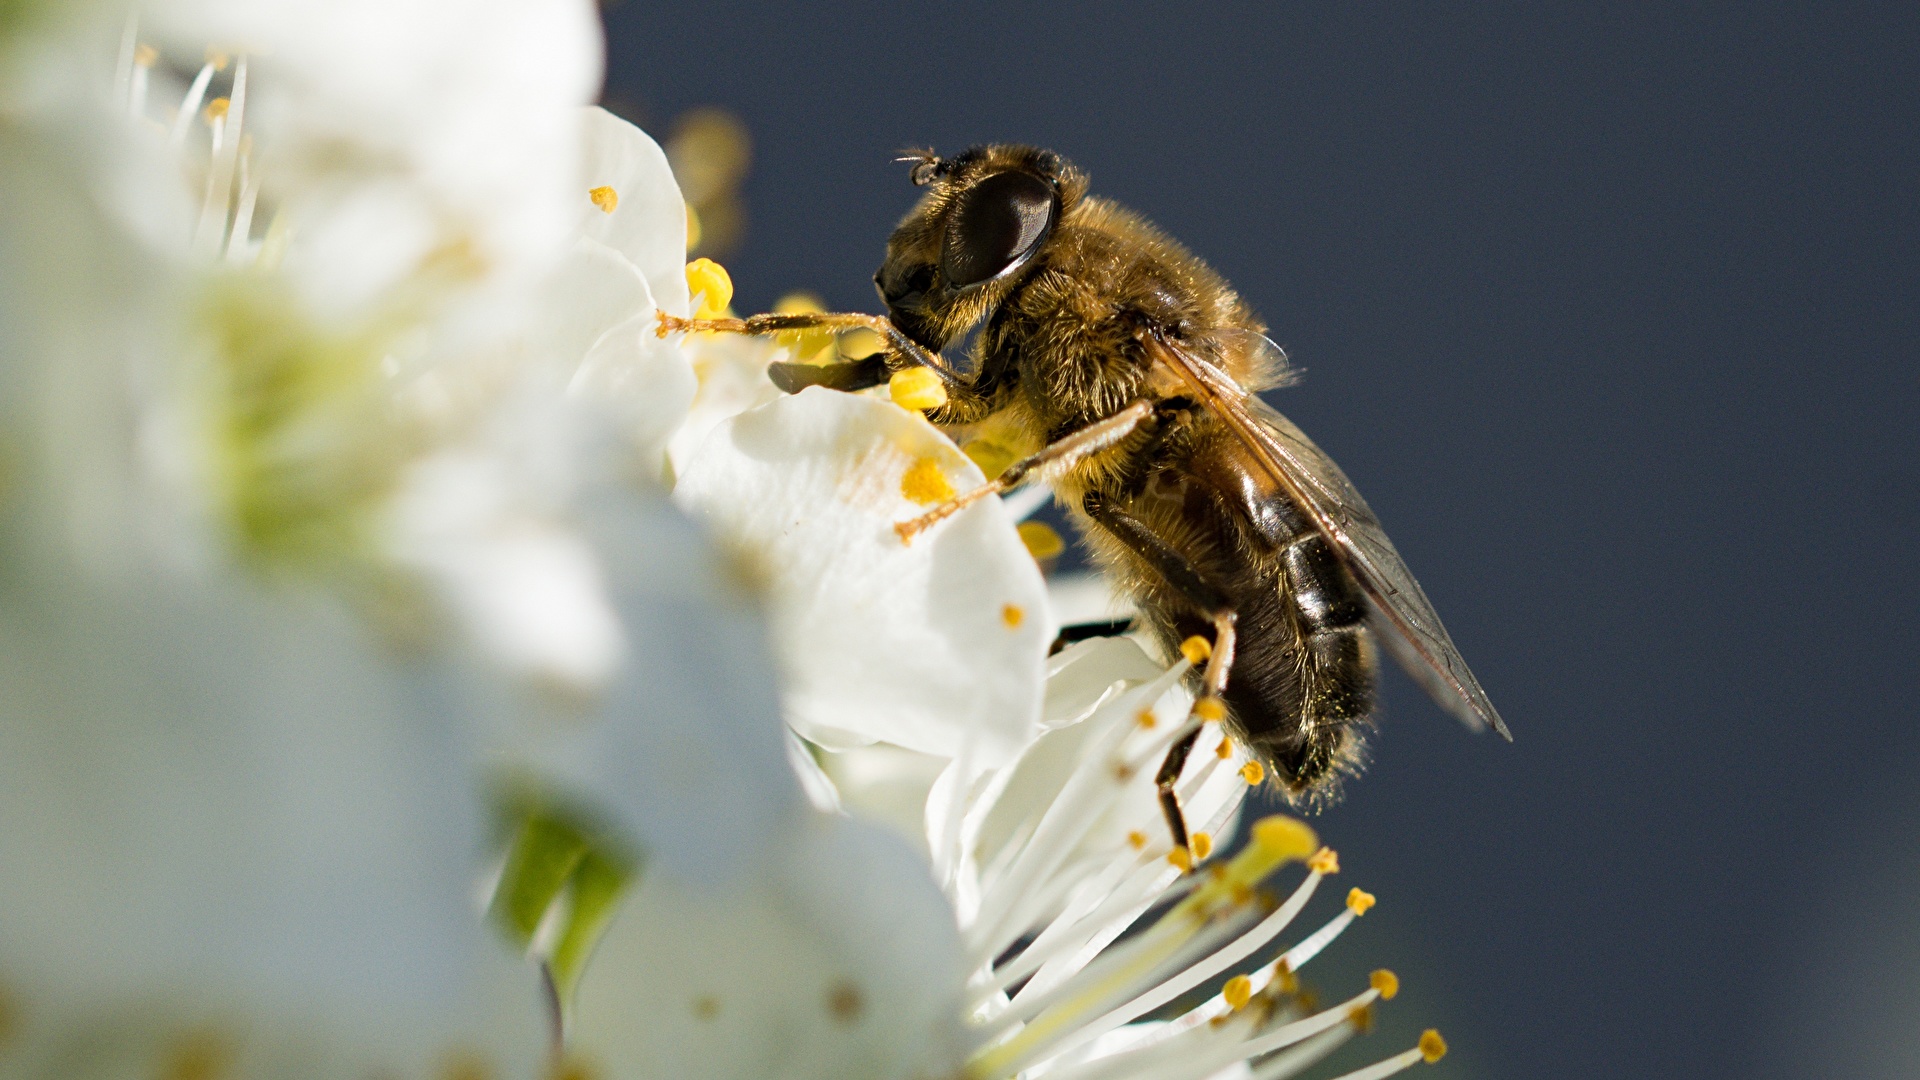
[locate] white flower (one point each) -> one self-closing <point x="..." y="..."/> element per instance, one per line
<point x="937" y="646"/>
<point x="1052" y="859"/>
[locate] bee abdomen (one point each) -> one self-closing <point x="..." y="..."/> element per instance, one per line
<point x="1305" y="679"/>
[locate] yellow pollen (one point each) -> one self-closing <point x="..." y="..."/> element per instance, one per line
<point x="1225" y="749"/>
<point x="1146" y="719"/>
<point x="925" y="484"/>
<point x="1181" y="858"/>
<point x="1432" y="1046"/>
<point x="1237" y="992"/>
<point x="1211" y="709"/>
<point x="1216" y="872"/>
<point x="1137" y="840"/>
<point x="218" y="58"/>
<point x="710" y="284"/>
<point x="1283" y="838"/>
<point x="1361" y="1017"/>
<point x="1042" y="542"/>
<point x="1012" y="615"/>
<point x="1359" y="900"/>
<point x="1240" y="893"/>
<point x="605" y="198"/>
<point x="1196" y="649"/>
<point x="917" y="388"/>
<point x="1325" y="861"/>
<point x="1386" y="982"/>
<point x="1252" y="772"/>
<point x="694" y="231"/>
<point x="145" y="55"/>
<point x="799" y="303"/>
<point x="1202" y="846"/>
<point x="217" y="108"/>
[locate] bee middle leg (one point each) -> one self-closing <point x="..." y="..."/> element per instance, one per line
<point x="1212" y="602"/>
<point x="1069" y="448"/>
<point x="853" y="375"/>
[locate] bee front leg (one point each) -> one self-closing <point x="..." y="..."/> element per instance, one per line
<point x="1209" y="707"/>
<point x="855" y="375"/>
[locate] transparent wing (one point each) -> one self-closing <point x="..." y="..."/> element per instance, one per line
<point x="1408" y="625"/>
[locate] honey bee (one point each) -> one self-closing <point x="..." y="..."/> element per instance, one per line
<point x="1132" y="367"/>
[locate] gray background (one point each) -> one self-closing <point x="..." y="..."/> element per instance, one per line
<point x="1612" y="314"/>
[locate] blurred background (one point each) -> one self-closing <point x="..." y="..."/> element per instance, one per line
<point x="1613" y="316"/>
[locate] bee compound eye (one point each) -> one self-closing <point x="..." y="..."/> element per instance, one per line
<point x="995" y="224"/>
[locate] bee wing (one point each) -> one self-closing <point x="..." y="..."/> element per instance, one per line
<point x="1409" y="626"/>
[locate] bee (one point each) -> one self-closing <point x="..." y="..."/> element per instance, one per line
<point x="1132" y="367"/>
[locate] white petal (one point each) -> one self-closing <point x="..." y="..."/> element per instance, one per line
<point x="645" y="381"/>
<point x="887" y="785"/>
<point x="732" y="371"/>
<point x="840" y="960"/>
<point x="237" y="800"/>
<point x="683" y="745"/>
<point x="937" y="646"/>
<point x="593" y="290"/>
<point x="649" y="221"/>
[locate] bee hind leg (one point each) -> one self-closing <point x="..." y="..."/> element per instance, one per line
<point x="1210" y="600"/>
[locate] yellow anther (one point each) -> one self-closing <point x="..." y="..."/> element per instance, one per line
<point x="1325" y="861"/>
<point x="1237" y="992"/>
<point x="1386" y="982"/>
<point x="798" y="303"/>
<point x="145" y="55"/>
<point x="604" y="197"/>
<point x="925" y="484"/>
<point x="1202" y="846"/>
<point x="1359" y="901"/>
<point x="1181" y="858"/>
<point x="1042" y="542"/>
<point x="1432" y="1046"/>
<point x="860" y="343"/>
<point x="1137" y="840"/>
<point x="1013" y="615"/>
<point x="1361" y="1017"/>
<point x="917" y="388"/>
<point x="1283" y="838"/>
<point x="1146" y="719"/>
<point x="1211" y="709"/>
<point x="711" y="286"/>
<point x="694" y="231"/>
<point x="1196" y="649"/>
<point x="218" y="59"/>
<point x="1252" y="772"/>
<point x="1240" y="892"/>
<point x="217" y="108"/>
<point x="1225" y="749"/>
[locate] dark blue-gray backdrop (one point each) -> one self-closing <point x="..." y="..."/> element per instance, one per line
<point x="1612" y="314"/>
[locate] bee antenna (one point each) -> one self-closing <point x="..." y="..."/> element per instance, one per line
<point x="926" y="165"/>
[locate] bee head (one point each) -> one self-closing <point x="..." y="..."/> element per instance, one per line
<point x="985" y="217"/>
